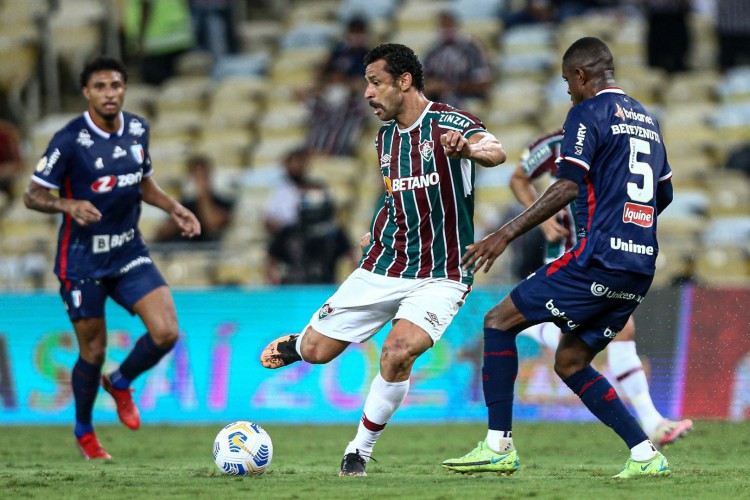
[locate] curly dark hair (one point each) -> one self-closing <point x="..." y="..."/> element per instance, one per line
<point x="399" y="59"/>
<point x="103" y="63"/>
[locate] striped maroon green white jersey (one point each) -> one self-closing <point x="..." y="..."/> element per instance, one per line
<point x="425" y="218"/>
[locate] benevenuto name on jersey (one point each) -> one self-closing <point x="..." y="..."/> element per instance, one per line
<point x="637" y="131"/>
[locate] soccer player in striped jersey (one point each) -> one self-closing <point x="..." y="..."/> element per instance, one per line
<point x="560" y="235"/>
<point x="100" y="165"/>
<point x="410" y="273"/>
<point x="613" y="163"/>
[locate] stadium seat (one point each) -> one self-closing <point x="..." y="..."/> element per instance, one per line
<point x="241" y="65"/>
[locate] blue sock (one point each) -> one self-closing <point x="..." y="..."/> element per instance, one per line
<point x="145" y="355"/>
<point x="82" y="429"/>
<point x="602" y="400"/>
<point x="499" y="372"/>
<point x="85" y="381"/>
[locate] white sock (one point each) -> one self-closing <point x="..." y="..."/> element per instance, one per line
<point x="643" y="451"/>
<point x="500" y="441"/>
<point x="624" y="362"/>
<point x="382" y="402"/>
<point x="545" y="334"/>
<point x="298" y="343"/>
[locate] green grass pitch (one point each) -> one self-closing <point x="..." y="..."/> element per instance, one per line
<point x="565" y="461"/>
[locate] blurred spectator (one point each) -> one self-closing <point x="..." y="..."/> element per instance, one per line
<point x="733" y="32"/>
<point x="337" y="109"/>
<point x="213" y="210"/>
<point x="739" y="159"/>
<point x="533" y="12"/>
<point x="11" y="163"/>
<point x="305" y="243"/>
<point x="158" y="32"/>
<point x="347" y="59"/>
<point x="214" y="25"/>
<point x="571" y="8"/>
<point x="668" y="38"/>
<point x="456" y="66"/>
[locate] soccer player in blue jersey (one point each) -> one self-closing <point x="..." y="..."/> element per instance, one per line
<point x="100" y="165"/>
<point x="560" y="235"/>
<point x="613" y="163"/>
<point x="410" y="273"/>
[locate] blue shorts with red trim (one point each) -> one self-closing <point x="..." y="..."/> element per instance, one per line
<point x="593" y="303"/>
<point x="85" y="298"/>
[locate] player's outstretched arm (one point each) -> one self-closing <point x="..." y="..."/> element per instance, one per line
<point x="482" y="147"/>
<point x="184" y="218"/>
<point x="37" y="197"/>
<point x="484" y="252"/>
<point x="526" y="194"/>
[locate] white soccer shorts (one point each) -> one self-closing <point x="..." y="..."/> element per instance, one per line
<point x="366" y="301"/>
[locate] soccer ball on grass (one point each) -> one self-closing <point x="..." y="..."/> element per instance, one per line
<point x="243" y="448"/>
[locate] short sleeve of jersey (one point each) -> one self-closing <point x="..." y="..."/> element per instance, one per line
<point x="51" y="169"/>
<point x="475" y="126"/>
<point x="579" y="144"/>
<point x="462" y="121"/>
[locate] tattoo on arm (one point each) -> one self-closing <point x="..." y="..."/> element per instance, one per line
<point x="555" y="198"/>
<point x="39" y="198"/>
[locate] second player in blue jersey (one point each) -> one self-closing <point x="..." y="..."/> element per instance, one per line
<point x="100" y="165"/>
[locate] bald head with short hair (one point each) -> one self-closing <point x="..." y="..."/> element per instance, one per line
<point x="591" y="54"/>
<point x="588" y="67"/>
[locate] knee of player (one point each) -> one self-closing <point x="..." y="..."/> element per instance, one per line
<point x="314" y="354"/>
<point x="165" y="336"/>
<point x="396" y="355"/>
<point x="94" y="355"/>
<point x="566" y="365"/>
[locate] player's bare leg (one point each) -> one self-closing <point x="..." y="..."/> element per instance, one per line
<point x="310" y="346"/>
<point x="91" y="334"/>
<point x="404" y="344"/>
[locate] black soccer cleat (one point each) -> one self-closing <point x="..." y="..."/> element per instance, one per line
<point x="280" y="352"/>
<point x="353" y="464"/>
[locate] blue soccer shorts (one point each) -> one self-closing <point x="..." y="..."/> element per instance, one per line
<point x="593" y="303"/>
<point x="85" y="298"/>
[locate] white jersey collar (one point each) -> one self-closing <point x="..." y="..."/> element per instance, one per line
<point x="101" y="132"/>
<point x="416" y="123"/>
<point x="611" y="90"/>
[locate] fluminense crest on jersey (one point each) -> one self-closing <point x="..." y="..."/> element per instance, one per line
<point x="425" y="149"/>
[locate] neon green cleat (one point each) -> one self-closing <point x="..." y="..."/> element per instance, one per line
<point x="657" y="466"/>
<point x="484" y="459"/>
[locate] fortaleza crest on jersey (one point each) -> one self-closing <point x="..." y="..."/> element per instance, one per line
<point x="325" y="311"/>
<point x="425" y="149"/>
<point x="138" y="154"/>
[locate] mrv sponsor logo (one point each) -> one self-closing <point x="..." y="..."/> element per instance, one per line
<point x="630" y="247"/>
<point x="599" y="290"/>
<point x="580" y="138"/>
<point x="640" y="215"/>
<point x="560" y="314"/>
